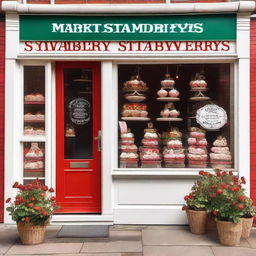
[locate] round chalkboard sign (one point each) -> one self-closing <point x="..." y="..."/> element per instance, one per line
<point x="79" y="111"/>
<point x="211" y="117"/>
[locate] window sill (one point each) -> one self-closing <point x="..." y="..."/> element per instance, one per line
<point x="160" y="172"/>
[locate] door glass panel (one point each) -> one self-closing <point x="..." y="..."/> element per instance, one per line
<point x="78" y="117"/>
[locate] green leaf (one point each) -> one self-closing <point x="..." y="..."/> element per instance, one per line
<point x="20" y="212"/>
<point x="9" y="209"/>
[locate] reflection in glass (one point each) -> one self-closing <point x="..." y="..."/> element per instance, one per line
<point x="78" y="113"/>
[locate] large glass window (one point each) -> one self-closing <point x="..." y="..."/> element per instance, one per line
<point x="159" y="105"/>
<point x="34" y="124"/>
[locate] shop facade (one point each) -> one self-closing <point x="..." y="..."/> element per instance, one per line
<point x="71" y="79"/>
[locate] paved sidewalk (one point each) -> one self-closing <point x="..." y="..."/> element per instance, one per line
<point x="126" y="240"/>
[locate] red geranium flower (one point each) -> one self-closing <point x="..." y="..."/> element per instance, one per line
<point x="51" y="190"/>
<point x="44" y="188"/>
<point x="37" y="208"/>
<point x="241" y="198"/>
<point x="219" y="191"/>
<point x="30" y="205"/>
<point x="15" y="185"/>
<point x="214" y="212"/>
<point x="8" y="200"/>
<point x="27" y="219"/>
<point x="214" y="186"/>
<point x="240" y="206"/>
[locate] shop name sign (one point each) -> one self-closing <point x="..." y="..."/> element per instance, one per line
<point x="211" y="117"/>
<point x="128" y="28"/>
<point x="126" y="47"/>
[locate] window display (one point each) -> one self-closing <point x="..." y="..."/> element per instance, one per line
<point x="174" y="138"/>
<point x="34" y="100"/>
<point x="34" y="123"/>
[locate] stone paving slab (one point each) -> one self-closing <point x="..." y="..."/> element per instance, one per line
<point x="8" y="236"/>
<point x="60" y="248"/>
<point x="233" y="251"/>
<point x="85" y="254"/>
<point x="141" y="227"/>
<point x="112" y="246"/>
<point x="177" y="237"/>
<point x="252" y="239"/>
<point x="177" y="251"/>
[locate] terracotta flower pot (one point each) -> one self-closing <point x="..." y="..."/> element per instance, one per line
<point x="31" y="234"/>
<point x="229" y="232"/>
<point x="246" y="226"/>
<point x="197" y="221"/>
<point x="210" y="224"/>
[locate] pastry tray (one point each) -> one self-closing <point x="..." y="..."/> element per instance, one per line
<point x="173" y="119"/>
<point x="34" y="102"/>
<point x="34" y="159"/>
<point x="199" y="98"/>
<point x="168" y="99"/>
<point x="34" y="121"/>
<point x="130" y="118"/>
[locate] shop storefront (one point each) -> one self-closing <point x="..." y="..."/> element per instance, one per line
<point x="119" y="112"/>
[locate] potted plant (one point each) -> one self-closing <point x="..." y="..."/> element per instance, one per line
<point x="31" y="210"/>
<point x="226" y="206"/>
<point x="249" y="212"/>
<point x="196" y="203"/>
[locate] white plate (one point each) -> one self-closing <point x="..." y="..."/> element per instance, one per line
<point x="170" y="99"/>
<point x="135" y="118"/>
<point x="199" y="98"/>
<point x="135" y="98"/>
<point x="174" y="119"/>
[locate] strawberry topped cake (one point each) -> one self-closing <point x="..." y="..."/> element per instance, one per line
<point x="129" y="156"/>
<point x="34" y="152"/>
<point x="135" y="84"/>
<point x="220" y="155"/>
<point x="168" y="82"/>
<point x="34" y="97"/>
<point x="173" y="152"/>
<point x="150" y="155"/>
<point x="134" y="110"/>
<point x="197" y="150"/>
<point x="198" y="83"/>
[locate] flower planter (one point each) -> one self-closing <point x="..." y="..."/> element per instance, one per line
<point x="197" y="221"/>
<point x="246" y="226"/>
<point x="211" y="224"/>
<point x="31" y="234"/>
<point x="229" y="232"/>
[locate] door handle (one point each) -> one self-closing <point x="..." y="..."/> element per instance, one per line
<point x="99" y="140"/>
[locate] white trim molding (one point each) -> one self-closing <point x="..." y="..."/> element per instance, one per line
<point x="239" y="6"/>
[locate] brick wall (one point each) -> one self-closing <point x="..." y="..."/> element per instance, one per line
<point x="253" y="109"/>
<point x="2" y="75"/>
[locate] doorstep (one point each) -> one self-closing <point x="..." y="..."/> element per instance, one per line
<point x="82" y="219"/>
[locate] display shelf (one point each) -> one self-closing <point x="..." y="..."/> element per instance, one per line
<point x="168" y="99"/>
<point x="34" y="121"/>
<point x="34" y="158"/>
<point x="34" y="102"/>
<point x="135" y="118"/>
<point x="33" y="138"/>
<point x="135" y="98"/>
<point x="143" y="91"/>
<point x="169" y="119"/>
<point x="199" y="98"/>
<point x="33" y="177"/>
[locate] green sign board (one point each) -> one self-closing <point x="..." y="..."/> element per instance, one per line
<point x="128" y="28"/>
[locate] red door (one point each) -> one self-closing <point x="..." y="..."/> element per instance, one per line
<point x="78" y="157"/>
